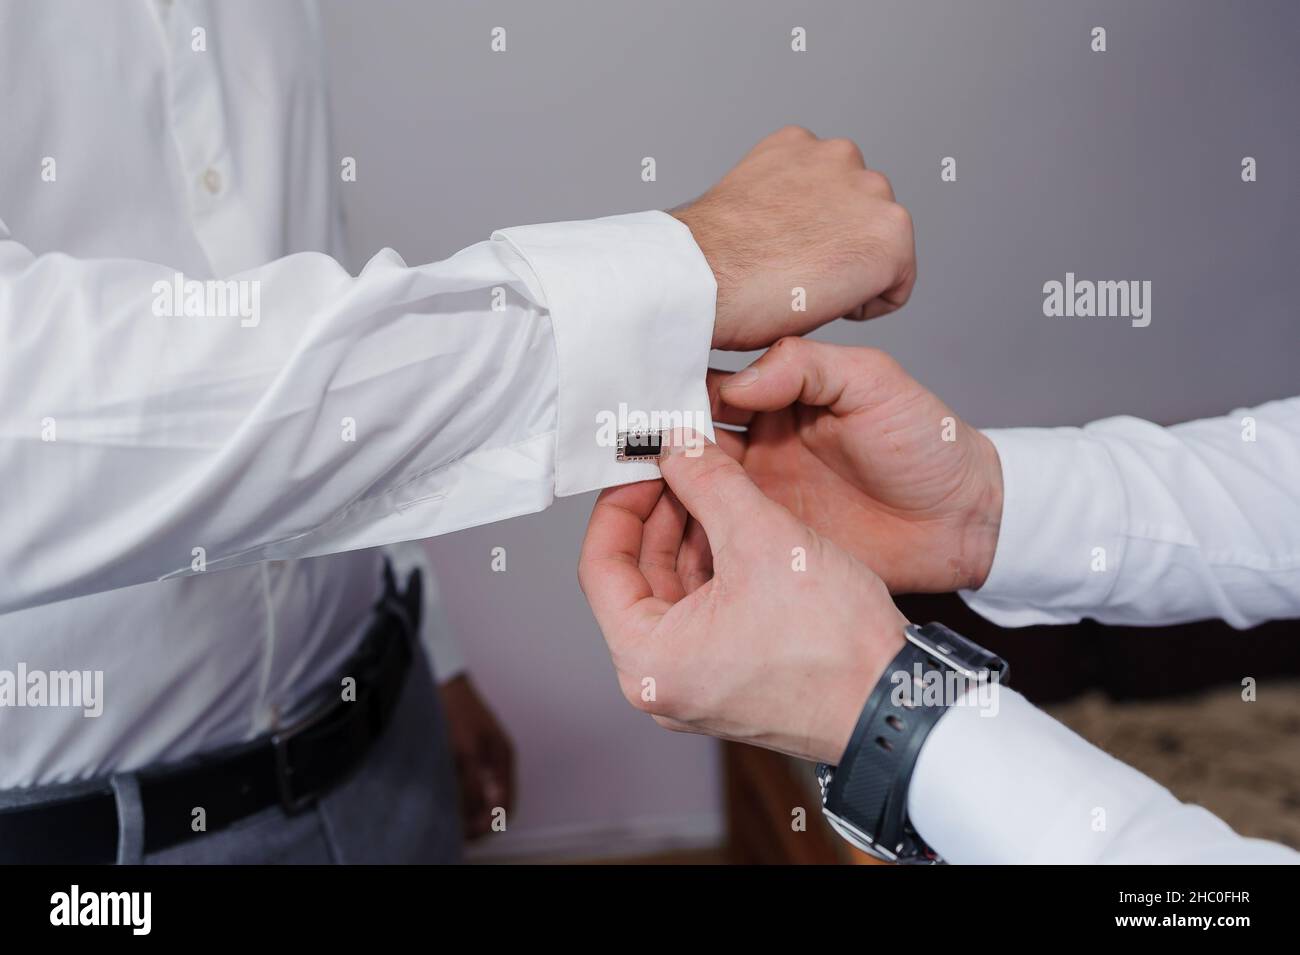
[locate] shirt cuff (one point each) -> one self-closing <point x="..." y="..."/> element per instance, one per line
<point x="631" y="300"/>
<point x="1061" y="540"/>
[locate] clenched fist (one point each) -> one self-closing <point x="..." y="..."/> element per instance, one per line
<point x="801" y="213"/>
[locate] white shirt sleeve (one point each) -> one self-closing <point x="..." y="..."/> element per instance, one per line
<point x="1127" y="522"/>
<point x="353" y="412"/>
<point x="1008" y="784"/>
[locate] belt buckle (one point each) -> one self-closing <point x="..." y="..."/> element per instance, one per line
<point x="280" y="742"/>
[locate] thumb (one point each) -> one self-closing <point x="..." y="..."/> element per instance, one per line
<point x="712" y="486"/>
<point x="814" y="373"/>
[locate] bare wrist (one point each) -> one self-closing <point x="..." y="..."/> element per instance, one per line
<point x="986" y="516"/>
<point x="697" y="222"/>
<point x="846" y="709"/>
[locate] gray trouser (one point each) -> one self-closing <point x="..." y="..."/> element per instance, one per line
<point x="400" y="805"/>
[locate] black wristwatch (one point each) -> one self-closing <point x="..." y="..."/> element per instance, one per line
<point x="865" y="797"/>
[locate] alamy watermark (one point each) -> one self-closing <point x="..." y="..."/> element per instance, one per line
<point x="53" y="688"/>
<point x="933" y="687"/>
<point x="624" y="421"/>
<point x="133" y="910"/>
<point x="1083" y="298"/>
<point x="212" y="298"/>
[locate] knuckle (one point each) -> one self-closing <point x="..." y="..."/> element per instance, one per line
<point x="878" y="183"/>
<point x="903" y="293"/>
<point x="790" y="347"/>
<point x="893" y="227"/>
<point x="795" y="132"/>
<point x="899" y="219"/>
<point x="842" y="145"/>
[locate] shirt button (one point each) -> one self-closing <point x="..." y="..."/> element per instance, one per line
<point x="212" y="181"/>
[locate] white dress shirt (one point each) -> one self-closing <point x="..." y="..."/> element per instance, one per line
<point x="355" y="412"/>
<point x="1125" y="522"/>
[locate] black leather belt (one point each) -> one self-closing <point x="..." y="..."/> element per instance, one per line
<point x="291" y="768"/>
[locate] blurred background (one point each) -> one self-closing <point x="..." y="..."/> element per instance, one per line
<point x="1117" y="165"/>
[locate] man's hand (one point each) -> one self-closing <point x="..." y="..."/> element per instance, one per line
<point x="726" y="615"/>
<point x="485" y="762"/>
<point x="801" y="212"/>
<point x="863" y="454"/>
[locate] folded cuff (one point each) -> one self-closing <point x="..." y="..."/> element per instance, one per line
<point x="631" y="300"/>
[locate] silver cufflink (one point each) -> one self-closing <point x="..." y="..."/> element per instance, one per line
<point x="640" y="445"/>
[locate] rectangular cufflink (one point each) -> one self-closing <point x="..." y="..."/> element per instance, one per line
<point x="640" y="445"/>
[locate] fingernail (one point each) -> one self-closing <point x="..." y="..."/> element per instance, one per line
<point x="742" y="378"/>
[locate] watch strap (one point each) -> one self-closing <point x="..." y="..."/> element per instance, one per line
<point x="868" y="790"/>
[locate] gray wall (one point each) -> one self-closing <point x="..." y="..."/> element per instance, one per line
<point x="1118" y="165"/>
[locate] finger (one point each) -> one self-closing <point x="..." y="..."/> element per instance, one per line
<point x="733" y="443"/>
<point x="849" y="153"/>
<point x="895" y="232"/>
<point x="878" y="184"/>
<point x="890" y="301"/>
<point x="785" y="136"/>
<point x="899" y="234"/>
<point x="720" y="410"/>
<point x="884" y="305"/>
<point x="609" y="569"/>
<point x="695" y="560"/>
<point x="660" y="542"/>
<point x="714" y="487"/>
<point x="773" y="431"/>
<point x="814" y="373"/>
<point x="894" y="299"/>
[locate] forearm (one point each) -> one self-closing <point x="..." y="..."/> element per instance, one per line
<point x="401" y="403"/>
<point x="1011" y="785"/>
<point x="1127" y="522"/>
